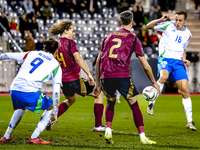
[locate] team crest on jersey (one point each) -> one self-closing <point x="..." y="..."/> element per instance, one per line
<point x="164" y="63"/>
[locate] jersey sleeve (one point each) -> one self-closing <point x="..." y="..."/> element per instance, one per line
<point x="73" y="47"/>
<point x="19" y="57"/>
<point x="186" y="43"/>
<point x="162" y="26"/>
<point x="138" y="48"/>
<point x="56" y="82"/>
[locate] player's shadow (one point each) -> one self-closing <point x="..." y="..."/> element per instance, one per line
<point x="177" y="146"/>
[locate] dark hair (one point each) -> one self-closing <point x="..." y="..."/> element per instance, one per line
<point x="181" y="12"/>
<point x="59" y="28"/>
<point x="126" y="17"/>
<point x="50" y="45"/>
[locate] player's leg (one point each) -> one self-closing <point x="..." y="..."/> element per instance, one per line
<point x="129" y="92"/>
<point x="187" y="103"/>
<point x="69" y="90"/>
<point x="16" y="117"/>
<point x="20" y="110"/>
<point x="98" y="113"/>
<point x="47" y="105"/>
<point x="118" y="95"/>
<point x="87" y="89"/>
<point x="164" y="74"/>
<point x="109" y="87"/>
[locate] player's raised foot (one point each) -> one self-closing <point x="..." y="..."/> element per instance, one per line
<point x="108" y="136"/>
<point x="3" y="139"/>
<point x="191" y="126"/>
<point x="38" y="141"/>
<point x="101" y="128"/>
<point x="50" y="125"/>
<point x="118" y="101"/>
<point x="147" y="141"/>
<point x="150" y="110"/>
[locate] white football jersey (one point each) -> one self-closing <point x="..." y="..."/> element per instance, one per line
<point x="38" y="67"/>
<point x="173" y="42"/>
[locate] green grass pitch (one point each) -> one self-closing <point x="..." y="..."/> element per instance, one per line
<point x="74" y="128"/>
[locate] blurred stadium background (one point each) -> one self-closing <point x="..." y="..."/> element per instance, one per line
<point x="91" y="28"/>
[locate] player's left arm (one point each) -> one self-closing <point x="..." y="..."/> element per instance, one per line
<point x="97" y="88"/>
<point x="184" y="60"/>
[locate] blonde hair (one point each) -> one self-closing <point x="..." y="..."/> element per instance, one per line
<point x="59" y="28"/>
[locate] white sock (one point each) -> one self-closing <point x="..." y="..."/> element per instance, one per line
<point x="46" y="116"/>
<point x="118" y="95"/>
<point x="187" y="105"/>
<point x="108" y="130"/>
<point x="142" y="135"/>
<point x="16" y="117"/>
<point x="161" y="88"/>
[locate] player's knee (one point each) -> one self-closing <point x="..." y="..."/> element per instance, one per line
<point x="99" y="98"/>
<point x="163" y="78"/>
<point x="132" y="100"/>
<point x="185" y="93"/>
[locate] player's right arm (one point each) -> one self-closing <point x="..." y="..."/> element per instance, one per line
<point x="151" y="24"/>
<point x="147" y="69"/>
<point x="81" y="63"/>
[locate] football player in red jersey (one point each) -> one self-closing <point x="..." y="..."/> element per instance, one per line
<point x="112" y="68"/>
<point x="71" y="63"/>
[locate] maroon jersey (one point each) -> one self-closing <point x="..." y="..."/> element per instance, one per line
<point x="70" y="68"/>
<point x="117" y="49"/>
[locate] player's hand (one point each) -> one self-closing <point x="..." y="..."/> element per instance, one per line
<point x="157" y="86"/>
<point x="91" y="80"/>
<point x="96" y="90"/>
<point x="53" y="119"/>
<point x="164" y="17"/>
<point x="186" y="62"/>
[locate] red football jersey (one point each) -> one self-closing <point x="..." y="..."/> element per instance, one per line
<point x="117" y="49"/>
<point x="70" y="68"/>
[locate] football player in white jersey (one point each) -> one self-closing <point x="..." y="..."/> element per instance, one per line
<point x="172" y="58"/>
<point x="38" y="67"/>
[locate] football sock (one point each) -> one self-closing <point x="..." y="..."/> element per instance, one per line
<point x="62" y="108"/>
<point x="118" y="95"/>
<point x="98" y="112"/>
<point x="16" y="117"/>
<point x="137" y="115"/>
<point x="161" y="88"/>
<point x="142" y="135"/>
<point x="46" y="116"/>
<point x="109" y="112"/>
<point x="187" y="105"/>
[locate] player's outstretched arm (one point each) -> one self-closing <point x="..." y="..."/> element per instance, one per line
<point x="13" y="56"/>
<point x="97" y="88"/>
<point x="149" y="73"/>
<point x="81" y="63"/>
<point x="151" y="24"/>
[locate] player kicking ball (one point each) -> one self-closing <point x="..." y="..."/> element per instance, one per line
<point x="172" y="59"/>
<point x="112" y="68"/>
<point x="38" y="67"/>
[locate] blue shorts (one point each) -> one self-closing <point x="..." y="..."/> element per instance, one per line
<point x="34" y="101"/>
<point x="175" y="67"/>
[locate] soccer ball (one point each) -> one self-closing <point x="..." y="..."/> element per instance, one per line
<point x="150" y="93"/>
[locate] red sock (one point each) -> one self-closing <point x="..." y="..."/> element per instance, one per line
<point x="109" y="113"/>
<point x="137" y="116"/>
<point x="98" y="112"/>
<point x="62" y="108"/>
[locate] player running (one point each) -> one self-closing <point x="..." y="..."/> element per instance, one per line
<point x="71" y="63"/>
<point x="112" y="68"/>
<point x="38" y="67"/>
<point x="172" y="58"/>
